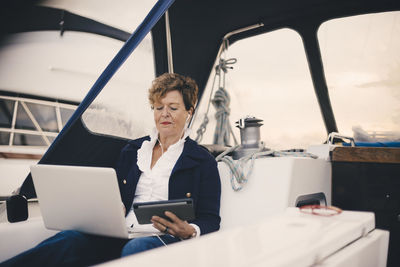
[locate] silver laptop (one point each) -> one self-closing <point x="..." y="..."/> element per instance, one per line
<point x="85" y="199"/>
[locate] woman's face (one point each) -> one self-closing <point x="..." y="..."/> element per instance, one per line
<point x="170" y="115"/>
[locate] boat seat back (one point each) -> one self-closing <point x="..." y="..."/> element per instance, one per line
<point x="20" y="236"/>
<point x="274" y="184"/>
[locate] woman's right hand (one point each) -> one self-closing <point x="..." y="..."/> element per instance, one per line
<point x="175" y="227"/>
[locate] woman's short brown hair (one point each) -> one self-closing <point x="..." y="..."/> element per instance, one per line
<point x="170" y="82"/>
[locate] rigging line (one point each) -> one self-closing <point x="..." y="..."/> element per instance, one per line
<point x="169" y="43"/>
<point x="219" y="73"/>
<point x="222" y="50"/>
<point x="220" y="70"/>
<point x="203" y="126"/>
<point x="224" y="47"/>
<point x="211" y="94"/>
<point x="233" y="134"/>
<point x="241" y="169"/>
<point x="224" y="70"/>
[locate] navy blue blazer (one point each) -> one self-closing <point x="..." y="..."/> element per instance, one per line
<point x="194" y="175"/>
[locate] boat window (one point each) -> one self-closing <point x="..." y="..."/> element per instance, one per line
<point x="6" y="112"/>
<point x="122" y="108"/>
<point x="4" y="138"/>
<point x="65" y="115"/>
<point x="271" y="81"/>
<point x="23" y="120"/>
<point x="28" y="140"/>
<point x="361" y="59"/>
<point x="45" y="116"/>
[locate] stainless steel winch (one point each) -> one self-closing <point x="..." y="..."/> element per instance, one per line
<point x="249" y="137"/>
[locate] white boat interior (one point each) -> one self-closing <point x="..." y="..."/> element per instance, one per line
<point x="322" y="76"/>
<point x="289" y="239"/>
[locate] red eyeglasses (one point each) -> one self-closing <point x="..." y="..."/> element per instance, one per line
<point x="320" y="210"/>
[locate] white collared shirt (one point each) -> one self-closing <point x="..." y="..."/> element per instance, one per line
<point x="153" y="182"/>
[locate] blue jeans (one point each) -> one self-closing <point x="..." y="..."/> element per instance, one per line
<point x="72" y="248"/>
<point x="145" y="243"/>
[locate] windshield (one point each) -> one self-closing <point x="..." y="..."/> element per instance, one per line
<point x="361" y="59"/>
<point x="122" y="108"/>
<point x="272" y="82"/>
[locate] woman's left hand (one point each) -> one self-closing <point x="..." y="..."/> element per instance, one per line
<point x="175" y="227"/>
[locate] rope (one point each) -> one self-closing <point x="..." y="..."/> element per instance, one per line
<point x="202" y="129"/>
<point x="239" y="174"/>
<point x="221" y="102"/>
<point x="203" y="126"/>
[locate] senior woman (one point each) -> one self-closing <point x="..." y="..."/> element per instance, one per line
<point x="169" y="165"/>
<point x="165" y="165"/>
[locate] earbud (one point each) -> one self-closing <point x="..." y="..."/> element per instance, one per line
<point x="188" y="117"/>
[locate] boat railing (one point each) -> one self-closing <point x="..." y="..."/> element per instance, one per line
<point x="31" y="122"/>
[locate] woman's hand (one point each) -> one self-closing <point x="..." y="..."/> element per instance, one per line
<point x="177" y="227"/>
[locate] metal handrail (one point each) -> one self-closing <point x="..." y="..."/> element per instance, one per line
<point x="334" y="135"/>
<point x="39" y="131"/>
<point x="37" y="101"/>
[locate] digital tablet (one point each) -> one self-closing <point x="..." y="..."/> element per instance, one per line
<point x="183" y="208"/>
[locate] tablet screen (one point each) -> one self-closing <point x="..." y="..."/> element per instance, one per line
<point x="183" y="208"/>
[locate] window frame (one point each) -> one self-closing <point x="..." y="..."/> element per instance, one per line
<point x="45" y="135"/>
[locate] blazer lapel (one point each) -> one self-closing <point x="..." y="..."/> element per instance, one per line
<point x="189" y="158"/>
